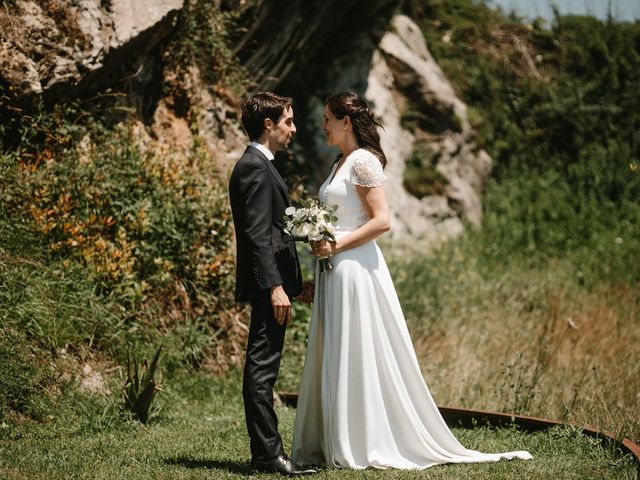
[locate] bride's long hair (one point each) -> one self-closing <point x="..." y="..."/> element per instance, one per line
<point x="364" y="123"/>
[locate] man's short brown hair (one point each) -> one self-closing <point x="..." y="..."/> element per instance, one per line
<point x="261" y="106"/>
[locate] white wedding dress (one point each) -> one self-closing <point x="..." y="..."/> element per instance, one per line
<point x="363" y="401"/>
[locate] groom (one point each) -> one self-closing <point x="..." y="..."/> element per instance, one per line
<point x="267" y="273"/>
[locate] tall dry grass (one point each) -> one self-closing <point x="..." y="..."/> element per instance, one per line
<point x="523" y="336"/>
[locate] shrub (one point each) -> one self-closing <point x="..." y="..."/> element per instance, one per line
<point x="151" y="231"/>
<point x="203" y="39"/>
<point x="21" y="375"/>
<point x="421" y="178"/>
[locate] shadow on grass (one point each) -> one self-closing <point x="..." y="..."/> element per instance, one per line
<point x="231" y="466"/>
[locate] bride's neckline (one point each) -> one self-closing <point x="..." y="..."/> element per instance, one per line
<point x="341" y="163"/>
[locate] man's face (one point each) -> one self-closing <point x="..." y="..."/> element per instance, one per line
<point x="281" y="132"/>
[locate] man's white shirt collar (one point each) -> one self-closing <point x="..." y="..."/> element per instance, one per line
<point x="263" y="149"/>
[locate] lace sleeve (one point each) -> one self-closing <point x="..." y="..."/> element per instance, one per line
<point x="367" y="170"/>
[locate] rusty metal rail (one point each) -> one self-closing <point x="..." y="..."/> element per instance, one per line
<point x="470" y="418"/>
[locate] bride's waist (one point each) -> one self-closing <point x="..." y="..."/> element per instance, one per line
<point x="363" y="253"/>
<point x="343" y="232"/>
<point x="339" y="235"/>
<point x="345" y="229"/>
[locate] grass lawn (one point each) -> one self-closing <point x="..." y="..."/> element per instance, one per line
<point x="200" y="433"/>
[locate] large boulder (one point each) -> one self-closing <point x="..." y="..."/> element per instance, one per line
<point x="413" y="80"/>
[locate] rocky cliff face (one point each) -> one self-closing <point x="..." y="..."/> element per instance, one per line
<point x="305" y="49"/>
<point x="284" y="36"/>
<point x="57" y="49"/>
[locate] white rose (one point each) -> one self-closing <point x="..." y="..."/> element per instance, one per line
<point x="290" y="211"/>
<point x="301" y="230"/>
<point x="315" y="234"/>
<point x="301" y="214"/>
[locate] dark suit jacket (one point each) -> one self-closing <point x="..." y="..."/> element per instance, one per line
<point x="258" y="200"/>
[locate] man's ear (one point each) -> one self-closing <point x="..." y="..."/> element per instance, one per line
<point x="268" y="124"/>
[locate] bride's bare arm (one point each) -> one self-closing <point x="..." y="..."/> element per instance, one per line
<point x="374" y="201"/>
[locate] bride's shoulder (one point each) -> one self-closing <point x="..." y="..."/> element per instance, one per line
<point x="366" y="169"/>
<point x="363" y="155"/>
<point x="364" y="159"/>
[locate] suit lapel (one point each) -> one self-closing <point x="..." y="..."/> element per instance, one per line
<point x="274" y="173"/>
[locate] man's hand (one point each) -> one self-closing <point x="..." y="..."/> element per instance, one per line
<point x="308" y="290"/>
<point x="281" y="305"/>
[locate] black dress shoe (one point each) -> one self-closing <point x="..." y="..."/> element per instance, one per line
<point x="282" y="465"/>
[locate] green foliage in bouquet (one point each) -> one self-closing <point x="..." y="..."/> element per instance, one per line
<point x="141" y="387"/>
<point x="313" y="220"/>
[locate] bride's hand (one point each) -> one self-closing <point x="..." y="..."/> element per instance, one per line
<point x="323" y="248"/>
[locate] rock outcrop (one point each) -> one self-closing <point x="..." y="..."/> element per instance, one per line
<point x="56" y="49"/>
<point x="418" y="81"/>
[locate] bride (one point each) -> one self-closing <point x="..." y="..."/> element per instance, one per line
<point x="363" y="401"/>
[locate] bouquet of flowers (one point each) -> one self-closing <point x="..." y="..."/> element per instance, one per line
<point x="311" y="223"/>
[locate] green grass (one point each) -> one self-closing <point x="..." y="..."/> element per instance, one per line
<point x="200" y="433"/>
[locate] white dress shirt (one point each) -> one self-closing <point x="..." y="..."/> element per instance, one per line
<point x="263" y="149"/>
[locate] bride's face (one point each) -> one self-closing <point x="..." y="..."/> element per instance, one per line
<point x="334" y="128"/>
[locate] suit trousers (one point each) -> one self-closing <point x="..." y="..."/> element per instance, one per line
<point x="264" y="351"/>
